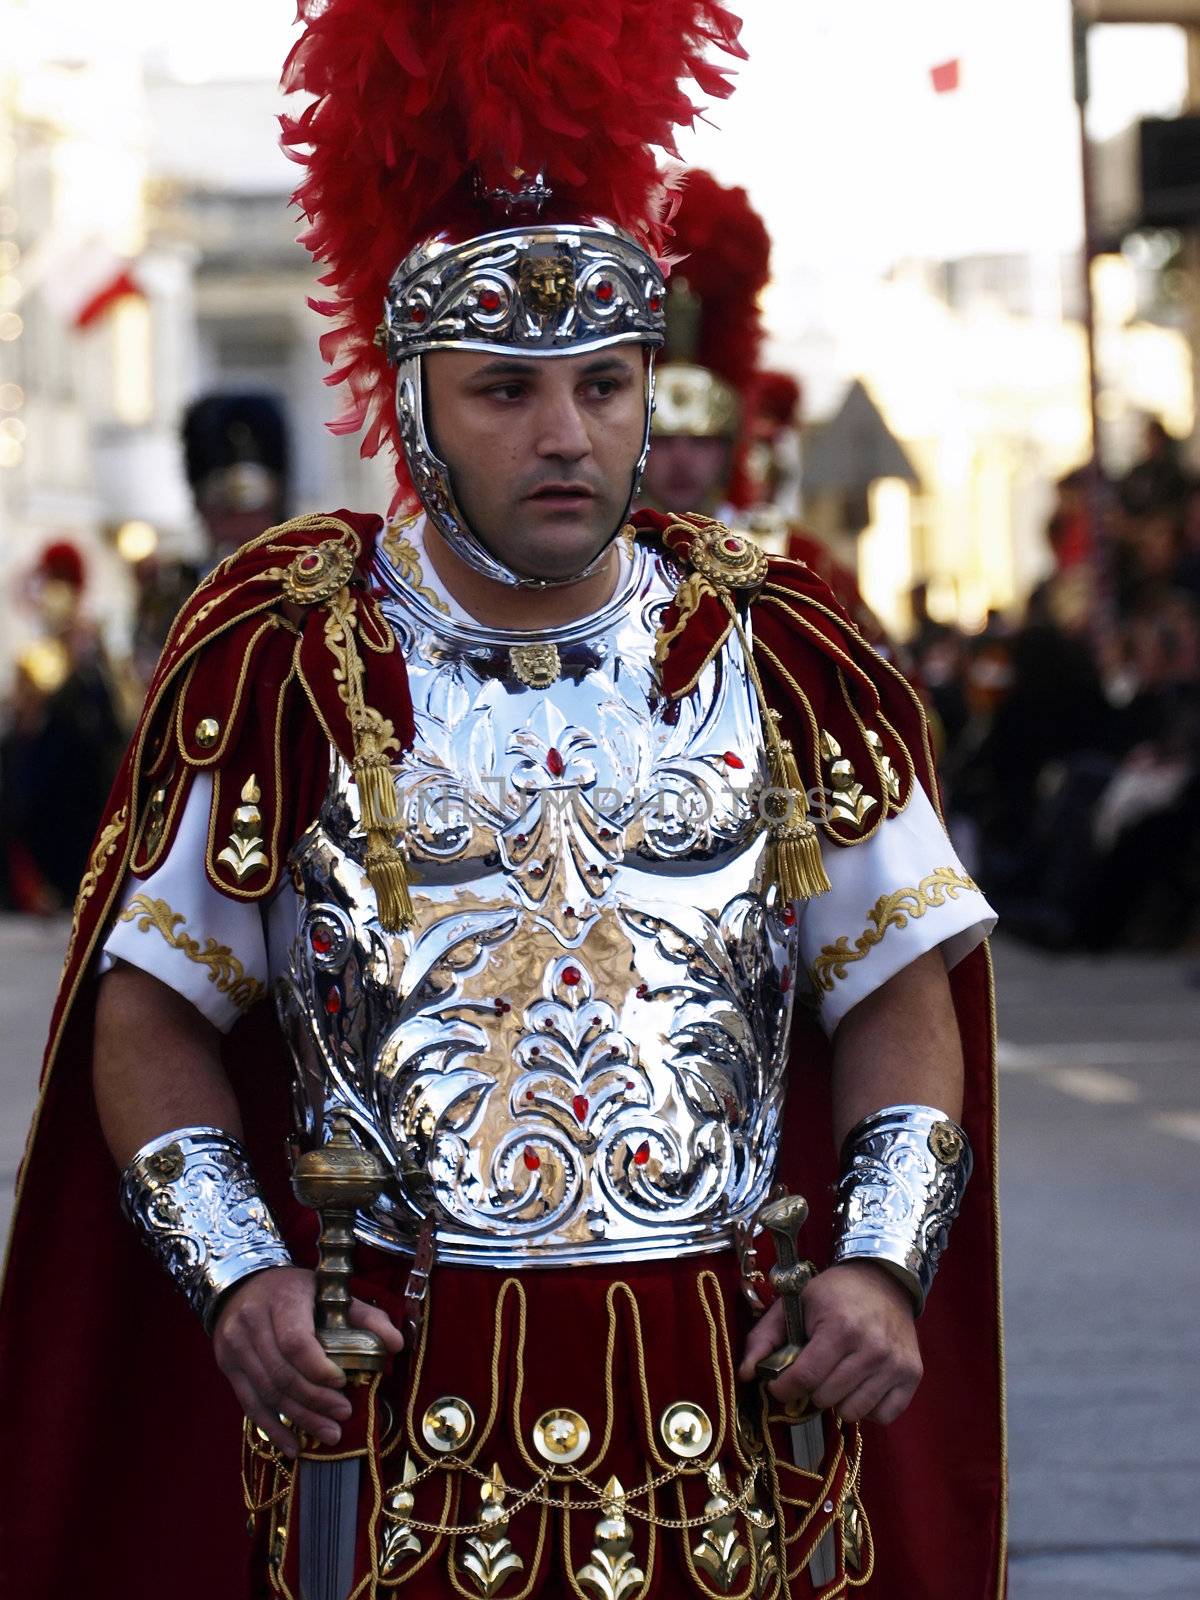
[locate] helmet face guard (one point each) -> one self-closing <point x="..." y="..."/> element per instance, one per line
<point x="541" y="291"/>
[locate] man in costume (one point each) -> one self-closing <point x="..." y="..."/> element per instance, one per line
<point x="719" y="419"/>
<point x="508" y="804"/>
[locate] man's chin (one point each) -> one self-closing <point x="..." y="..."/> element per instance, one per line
<point x="558" y="548"/>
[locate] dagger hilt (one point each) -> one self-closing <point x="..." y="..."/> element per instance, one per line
<point x="336" y="1180"/>
<point x="788" y="1277"/>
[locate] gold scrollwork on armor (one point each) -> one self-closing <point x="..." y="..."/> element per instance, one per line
<point x="851" y="802"/>
<point x="488" y="1558"/>
<point x="561" y="1437"/>
<point x="244" y="854"/>
<point x="448" y="1425"/>
<point x="402" y="553"/>
<point x="537" y="666"/>
<point x="613" y="1572"/>
<point x="889" y="911"/>
<point x="720" y="1552"/>
<point x="316" y="575"/>
<point x="400" y="1539"/>
<point x="225" y="971"/>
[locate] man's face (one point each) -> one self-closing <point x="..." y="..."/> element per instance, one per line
<point x="541" y="452"/>
<point x="686" y="473"/>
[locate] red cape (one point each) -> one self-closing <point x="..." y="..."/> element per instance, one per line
<point x="119" y="1437"/>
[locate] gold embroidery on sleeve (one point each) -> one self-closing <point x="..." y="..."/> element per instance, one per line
<point x="105" y="845"/>
<point x="224" y="968"/>
<point x="889" y="911"/>
<point x="402" y="553"/>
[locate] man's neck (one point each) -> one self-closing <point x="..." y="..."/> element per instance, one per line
<point x="505" y="605"/>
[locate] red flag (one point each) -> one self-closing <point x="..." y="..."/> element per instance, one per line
<point x="947" y="76"/>
<point x="116" y="288"/>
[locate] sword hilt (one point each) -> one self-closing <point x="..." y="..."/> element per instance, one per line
<point x="784" y="1219"/>
<point x="336" y="1179"/>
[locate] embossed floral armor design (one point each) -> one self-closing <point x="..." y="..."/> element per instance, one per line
<point x="578" y="1048"/>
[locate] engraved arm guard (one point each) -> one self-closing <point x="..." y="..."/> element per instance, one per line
<point x="193" y="1198"/>
<point x="904" y="1170"/>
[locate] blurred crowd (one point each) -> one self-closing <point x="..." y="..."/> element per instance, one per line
<point x="1070" y="736"/>
<point x="1071" y="757"/>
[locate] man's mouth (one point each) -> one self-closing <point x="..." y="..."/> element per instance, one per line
<point x="562" y="496"/>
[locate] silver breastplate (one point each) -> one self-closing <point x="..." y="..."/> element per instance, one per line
<point x="578" y="1050"/>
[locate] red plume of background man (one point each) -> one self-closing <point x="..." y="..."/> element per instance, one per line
<point x="722" y="248"/>
<point x="419" y="104"/>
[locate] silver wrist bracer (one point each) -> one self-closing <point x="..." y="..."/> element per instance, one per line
<point x="192" y="1196"/>
<point x="904" y="1170"/>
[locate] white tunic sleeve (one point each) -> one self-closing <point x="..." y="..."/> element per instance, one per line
<point x="897" y="895"/>
<point x="177" y="927"/>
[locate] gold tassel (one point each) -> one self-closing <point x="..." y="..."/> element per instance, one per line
<point x="389" y="879"/>
<point x="376" y="783"/>
<point x="794" y="848"/>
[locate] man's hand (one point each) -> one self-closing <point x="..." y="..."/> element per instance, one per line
<point x="861" y="1357"/>
<point x="266" y="1345"/>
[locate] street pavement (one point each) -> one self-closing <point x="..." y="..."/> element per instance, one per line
<point x="1101" y="1183"/>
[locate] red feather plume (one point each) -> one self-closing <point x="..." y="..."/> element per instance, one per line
<point x="722" y="248"/>
<point x="413" y="98"/>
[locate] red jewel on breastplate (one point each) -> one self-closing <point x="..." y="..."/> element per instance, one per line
<point x="656" y="302"/>
<point x="489" y="300"/>
<point x="571" y="976"/>
<point x="321" y="939"/>
<point x="789" y="916"/>
<point x="605" y="291"/>
<point x="555" y="765"/>
<point x="333" y="1002"/>
<point x="579" y="1105"/>
<point x="531" y="1158"/>
<point x="418" y="314"/>
<point x="732" y="760"/>
<point x="642" y="990"/>
<point x="641" y="1155"/>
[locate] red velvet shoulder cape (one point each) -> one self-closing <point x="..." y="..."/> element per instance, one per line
<point x="119" y="1438"/>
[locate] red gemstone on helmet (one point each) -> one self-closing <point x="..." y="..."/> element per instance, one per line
<point x="555" y="764"/>
<point x="641" y="1155"/>
<point x="321" y="939"/>
<point x="733" y="760"/>
<point x="642" y="990"/>
<point x="605" y="291"/>
<point x="656" y="302"/>
<point x="529" y="1094"/>
<point x="418" y="314"/>
<point x="571" y="976"/>
<point x="489" y="300"/>
<point x="531" y="1158"/>
<point x="333" y="1002"/>
<point x="579" y="1105"/>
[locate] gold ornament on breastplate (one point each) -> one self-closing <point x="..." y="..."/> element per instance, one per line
<point x="536" y="665"/>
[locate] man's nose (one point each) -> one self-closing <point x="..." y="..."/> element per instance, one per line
<point x="562" y="432"/>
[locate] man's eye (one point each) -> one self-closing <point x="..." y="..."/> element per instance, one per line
<point x="603" y="387"/>
<point x="506" y="391"/>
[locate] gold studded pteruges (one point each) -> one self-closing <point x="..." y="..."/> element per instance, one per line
<point x="612" y="1572"/>
<point x="244" y="853"/>
<point x="561" y="1436"/>
<point x="488" y="1557"/>
<point x="686" y="1430"/>
<point x="448" y="1425"/>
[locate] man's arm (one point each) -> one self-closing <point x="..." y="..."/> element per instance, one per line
<point x="899" y="1045"/>
<point x="157" y="1067"/>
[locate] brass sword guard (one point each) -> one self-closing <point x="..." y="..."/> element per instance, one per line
<point x="336" y="1180"/>
<point x="788" y="1277"/>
